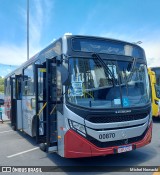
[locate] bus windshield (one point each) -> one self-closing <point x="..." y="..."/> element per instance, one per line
<point x="123" y="84"/>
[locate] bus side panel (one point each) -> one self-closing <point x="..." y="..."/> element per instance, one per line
<point x="7" y="98"/>
<point x="7" y="105"/>
<point x="61" y="129"/>
<point x="155" y="109"/>
<point x="155" y="100"/>
<point x="28" y="113"/>
<point x="155" y="104"/>
<point x="19" y="114"/>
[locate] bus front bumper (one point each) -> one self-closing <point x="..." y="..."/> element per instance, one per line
<point x="76" y="146"/>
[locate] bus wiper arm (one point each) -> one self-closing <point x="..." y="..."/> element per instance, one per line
<point x="132" y="69"/>
<point x="95" y="55"/>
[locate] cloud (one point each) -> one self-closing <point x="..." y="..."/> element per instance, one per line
<point x="11" y="54"/>
<point x="35" y="24"/>
<point x="85" y="27"/>
<point x="14" y="55"/>
<point x="152" y="50"/>
<point x="39" y="18"/>
<point x="150" y="39"/>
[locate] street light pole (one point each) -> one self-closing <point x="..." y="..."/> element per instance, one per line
<point x="27" y="29"/>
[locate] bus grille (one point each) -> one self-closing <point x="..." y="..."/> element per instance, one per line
<point x="117" y="142"/>
<point x="112" y="119"/>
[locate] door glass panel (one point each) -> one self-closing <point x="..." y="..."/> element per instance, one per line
<point x="41" y="84"/>
<point x="13" y="82"/>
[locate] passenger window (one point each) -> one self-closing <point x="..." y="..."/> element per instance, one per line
<point x="28" y="85"/>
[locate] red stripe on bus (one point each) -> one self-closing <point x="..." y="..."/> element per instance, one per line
<point x="76" y="146"/>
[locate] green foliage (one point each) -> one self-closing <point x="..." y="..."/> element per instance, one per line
<point x="1" y="85"/>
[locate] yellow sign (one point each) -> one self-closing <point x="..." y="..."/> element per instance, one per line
<point x="43" y="70"/>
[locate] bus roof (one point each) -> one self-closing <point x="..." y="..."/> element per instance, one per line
<point x="35" y="57"/>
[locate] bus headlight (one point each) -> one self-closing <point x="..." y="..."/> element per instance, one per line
<point x="77" y="127"/>
<point x="156" y="102"/>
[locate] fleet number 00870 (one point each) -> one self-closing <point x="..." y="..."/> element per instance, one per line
<point x="107" y="136"/>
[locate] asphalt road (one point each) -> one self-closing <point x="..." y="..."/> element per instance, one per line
<point x="29" y="154"/>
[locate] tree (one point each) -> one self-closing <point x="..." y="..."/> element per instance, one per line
<point x="1" y="85"/>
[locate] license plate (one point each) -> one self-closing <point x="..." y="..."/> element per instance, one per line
<point x="124" y="149"/>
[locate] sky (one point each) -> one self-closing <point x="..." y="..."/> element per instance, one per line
<point x="128" y="20"/>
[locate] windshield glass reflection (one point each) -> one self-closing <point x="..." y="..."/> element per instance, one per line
<point x="91" y="85"/>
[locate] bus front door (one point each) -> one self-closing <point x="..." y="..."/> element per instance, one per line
<point x="40" y="103"/>
<point x="51" y="110"/>
<point x="45" y="91"/>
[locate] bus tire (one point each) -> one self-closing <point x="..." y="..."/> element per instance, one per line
<point x="43" y="147"/>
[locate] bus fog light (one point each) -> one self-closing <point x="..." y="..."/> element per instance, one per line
<point x="78" y="127"/>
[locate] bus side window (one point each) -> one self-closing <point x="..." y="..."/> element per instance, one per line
<point x="25" y="88"/>
<point x="28" y="86"/>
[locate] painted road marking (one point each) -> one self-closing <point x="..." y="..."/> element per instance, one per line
<point x="6" y="131"/>
<point x="23" y="152"/>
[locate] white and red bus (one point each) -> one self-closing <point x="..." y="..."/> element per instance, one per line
<point x="83" y="96"/>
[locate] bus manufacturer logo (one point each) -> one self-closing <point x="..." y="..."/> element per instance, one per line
<point x="106" y="136"/>
<point x="124" y="134"/>
<point x="122" y="111"/>
<point x="126" y="141"/>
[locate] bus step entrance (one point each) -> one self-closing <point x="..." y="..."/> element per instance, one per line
<point x="42" y="139"/>
<point x="52" y="149"/>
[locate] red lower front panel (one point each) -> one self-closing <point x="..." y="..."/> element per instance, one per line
<point x="77" y="146"/>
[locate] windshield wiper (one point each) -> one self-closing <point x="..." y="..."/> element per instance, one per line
<point x="126" y="81"/>
<point x="95" y="55"/>
<point x="131" y="74"/>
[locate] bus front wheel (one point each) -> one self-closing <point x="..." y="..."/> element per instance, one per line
<point x="43" y="147"/>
